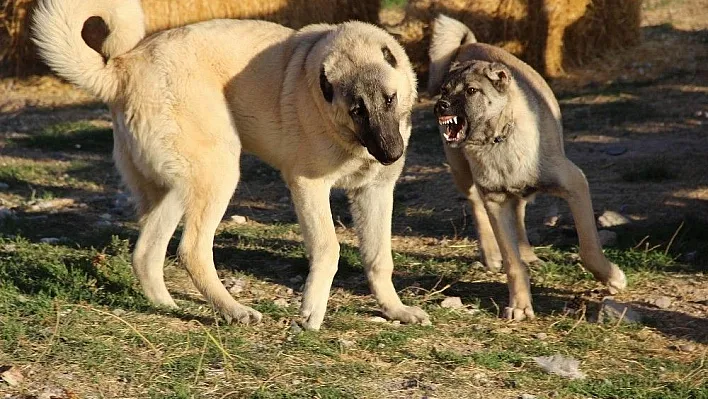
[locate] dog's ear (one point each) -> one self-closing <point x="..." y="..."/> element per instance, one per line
<point x="500" y="75"/>
<point x="455" y="66"/>
<point x="326" y="87"/>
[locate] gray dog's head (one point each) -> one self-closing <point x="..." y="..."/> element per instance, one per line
<point x="473" y="94"/>
<point x="369" y="86"/>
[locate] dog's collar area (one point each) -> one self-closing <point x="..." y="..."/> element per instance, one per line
<point x="498" y="139"/>
<point x="506" y="131"/>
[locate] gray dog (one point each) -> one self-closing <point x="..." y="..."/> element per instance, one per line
<point x="502" y="133"/>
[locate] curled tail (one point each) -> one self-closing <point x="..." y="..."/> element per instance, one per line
<point x="57" y="30"/>
<point x="448" y="35"/>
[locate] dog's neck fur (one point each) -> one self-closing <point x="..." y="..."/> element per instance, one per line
<point x="495" y="130"/>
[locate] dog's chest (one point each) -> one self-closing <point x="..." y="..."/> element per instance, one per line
<point x="503" y="168"/>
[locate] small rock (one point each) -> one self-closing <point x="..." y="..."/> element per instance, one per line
<point x="396" y="323"/>
<point x="77" y="146"/>
<point x="472" y="311"/>
<point x="687" y="347"/>
<point x="52" y="393"/>
<point x="295" y="328"/>
<point x="615" y="150"/>
<point x="11" y="375"/>
<point x="103" y="223"/>
<point x="289" y="291"/>
<point x="238" y="219"/>
<point x="607" y="238"/>
<point x="283" y="200"/>
<point x="611" y="311"/>
<point x="552" y="216"/>
<point x="118" y="312"/>
<point x="281" y="302"/>
<point x="662" y="302"/>
<point x="560" y="365"/>
<point x="527" y="396"/>
<point x="612" y="219"/>
<point x="296" y="280"/>
<point x="452" y="302"/>
<point x="4" y="186"/>
<point x="541" y="336"/>
<point x="377" y="319"/>
<point x="106" y="216"/>
<point x="235" y="285"/>
<point x="345" y="343"/>
<point x="49" y="240"/>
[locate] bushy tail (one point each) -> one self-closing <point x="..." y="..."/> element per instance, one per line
<point x="56" y="29"/>
<point x="448" y="35"/>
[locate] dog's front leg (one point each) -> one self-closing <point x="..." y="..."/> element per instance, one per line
<point x="311" y="200"/>
<point x="502" y="218"/>
<point x="372" y="208"/>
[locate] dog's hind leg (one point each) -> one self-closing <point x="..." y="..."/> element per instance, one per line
<point x="575" y="190"/>
<point x="525" y="248"/>
<point x="372" y="208"/>
<point x="501" y="214"/>
<point x="208" y="189"/>
<point x="158" y="225"/>
<point x="461" y="174"/>
<point x="160" y="212"/>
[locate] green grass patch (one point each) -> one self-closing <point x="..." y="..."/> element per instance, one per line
<point x="394" y="3"/>
<point x="70" y="136"/>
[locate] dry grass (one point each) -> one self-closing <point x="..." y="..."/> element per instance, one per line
<point x="550" y="35"/>
<point x="17" y="55"/>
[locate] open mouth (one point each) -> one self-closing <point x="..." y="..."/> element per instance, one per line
<point x="453" y="128"/>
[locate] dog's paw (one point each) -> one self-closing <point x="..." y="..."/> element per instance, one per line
<point x="617" y="281"/>
<point x="242" y="314"/>
<point x="311" y="317"/>
<point x="529" y="257"/>
<point x="519" y="314"/>
<point x="493" y="265"/>
<point x="408" y="315"/>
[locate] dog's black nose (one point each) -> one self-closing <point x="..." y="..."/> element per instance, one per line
<point x="442" y="105"/>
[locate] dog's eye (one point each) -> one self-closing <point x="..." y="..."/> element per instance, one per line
<point x="471" y="90"/>
<point x="389" y="99"/>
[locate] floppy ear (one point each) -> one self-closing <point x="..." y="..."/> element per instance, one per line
<point x="500" y="75"/>
<point x="326" y="87"/>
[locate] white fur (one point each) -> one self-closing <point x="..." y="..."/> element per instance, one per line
<point x="186" y="102"/>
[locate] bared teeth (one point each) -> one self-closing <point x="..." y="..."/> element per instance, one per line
<point x="446" y="120"/>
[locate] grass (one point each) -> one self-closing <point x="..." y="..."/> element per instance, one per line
<point x="394" y="3"/>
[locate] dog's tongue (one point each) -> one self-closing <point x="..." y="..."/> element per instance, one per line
<point x="453" y="130"/>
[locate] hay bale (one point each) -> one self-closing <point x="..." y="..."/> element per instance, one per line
<point x="17" y="55"/>
<point x="547" y="34"/>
